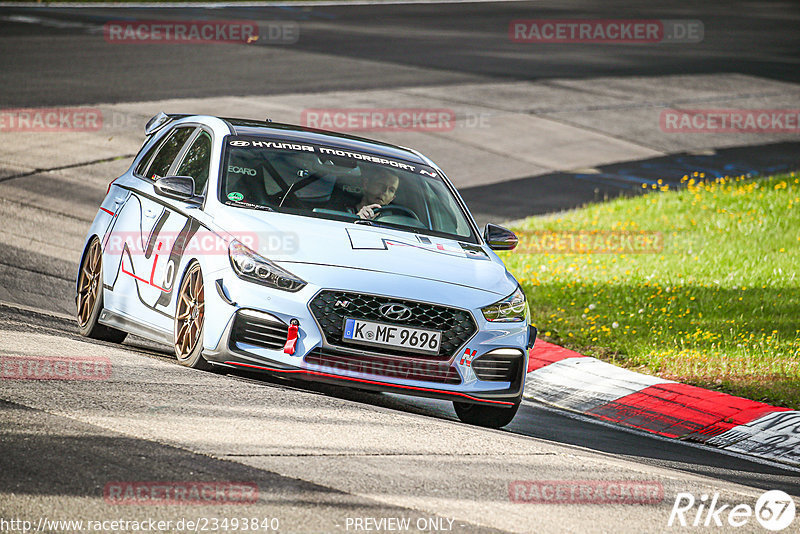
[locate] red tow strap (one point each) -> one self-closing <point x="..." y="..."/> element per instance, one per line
<point x="291" y="337"/>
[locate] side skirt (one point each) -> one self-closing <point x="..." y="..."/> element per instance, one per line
<point x="131" y="326"/>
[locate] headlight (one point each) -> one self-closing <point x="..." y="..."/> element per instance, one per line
<point x="250" y="266"/>
<point x="511" y="309"/>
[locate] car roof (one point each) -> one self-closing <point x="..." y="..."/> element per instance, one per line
<point x="292" y="132"/>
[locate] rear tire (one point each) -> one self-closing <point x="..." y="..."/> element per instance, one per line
<point x="483" y="415"/>
<point x="89" y="300"/>
<point x="190" y="320"/>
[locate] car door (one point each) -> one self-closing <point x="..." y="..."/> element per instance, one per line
<point x="137" y="285"/>
<point x="176" y="226"/>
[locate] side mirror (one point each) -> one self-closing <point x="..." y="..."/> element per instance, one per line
<point x="179" y="188"/>
<point x="498" y="238"/>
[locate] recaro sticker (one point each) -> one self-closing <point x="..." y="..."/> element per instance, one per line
<point x="241" y="170"/>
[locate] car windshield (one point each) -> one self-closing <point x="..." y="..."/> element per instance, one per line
<point x="325" y="182"/>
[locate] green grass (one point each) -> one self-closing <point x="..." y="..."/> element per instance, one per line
<point x="718" y="306"/>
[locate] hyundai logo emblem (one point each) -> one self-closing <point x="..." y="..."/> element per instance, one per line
<point x="395" y="312"/>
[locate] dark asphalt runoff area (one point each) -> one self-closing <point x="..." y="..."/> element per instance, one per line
<point x="63" y="59"/>
<point x="405" y="45"/>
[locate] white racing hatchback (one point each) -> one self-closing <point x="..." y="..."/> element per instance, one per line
<point x="307" y="254"/>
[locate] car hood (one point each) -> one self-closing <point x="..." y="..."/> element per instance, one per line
<point x="293" y="241"/>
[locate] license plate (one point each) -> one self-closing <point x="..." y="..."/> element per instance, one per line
<point x="392" y="335"/>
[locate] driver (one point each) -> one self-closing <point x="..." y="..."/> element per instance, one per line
<point x="377" y="191"/>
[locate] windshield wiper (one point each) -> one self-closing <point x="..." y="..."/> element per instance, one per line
<point x="390" y="226"/>
<point x="368" y="222"/>
<point x="248" y="205"/>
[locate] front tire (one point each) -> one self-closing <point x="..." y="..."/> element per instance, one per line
<point x="89" y="300"/>
<point x="483" y="415"/>
<point x="190" y="320"/>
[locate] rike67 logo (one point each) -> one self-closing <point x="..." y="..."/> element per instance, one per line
<point x="774" y="510"/>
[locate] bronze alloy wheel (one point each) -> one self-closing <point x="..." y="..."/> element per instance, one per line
<point x="90" y="281"/>
<point x="190" y="313"/>
<point x="89" y="297"/>
<point x="189" y="319"/>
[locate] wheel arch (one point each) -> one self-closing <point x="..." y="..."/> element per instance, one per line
<point x="187" y="265"/>
<point x="86" y="246"/>
<point x="190" y="260"/>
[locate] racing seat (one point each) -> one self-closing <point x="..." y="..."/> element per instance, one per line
<point x="346" y="193"/>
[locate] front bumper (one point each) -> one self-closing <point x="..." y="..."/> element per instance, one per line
<point x="454" y="377"/>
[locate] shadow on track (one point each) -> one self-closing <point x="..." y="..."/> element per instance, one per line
<point x="537" y="195"/>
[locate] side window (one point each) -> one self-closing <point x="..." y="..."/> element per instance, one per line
<point x="169" y="150"/>
<point x="140" y="168"/>
<point x="196" y="162"/>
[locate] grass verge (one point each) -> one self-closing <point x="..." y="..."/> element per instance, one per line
<point x="699" y="285"/>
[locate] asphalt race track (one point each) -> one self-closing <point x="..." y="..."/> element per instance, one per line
<point x="323" y="456"/>
<point x="369" y="47"/>
<point x="457" y="56"/>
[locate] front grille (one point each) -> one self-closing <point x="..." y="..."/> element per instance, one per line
<point x="496" y="368"/>
<point x="259" y="330"/>
<point x="457" y="326"/>
<point x="384" y="366"/>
